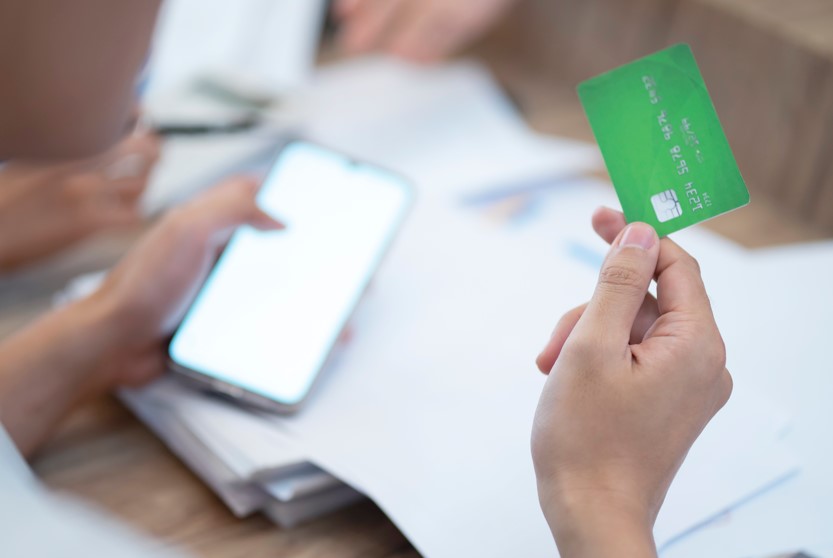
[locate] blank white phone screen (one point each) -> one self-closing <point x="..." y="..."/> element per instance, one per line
<point x="276" y="302"/>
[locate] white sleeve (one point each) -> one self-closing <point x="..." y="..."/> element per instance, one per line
<point x="36" y="522"/>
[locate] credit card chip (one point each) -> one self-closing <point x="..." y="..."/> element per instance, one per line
<point x="666" y="205"/>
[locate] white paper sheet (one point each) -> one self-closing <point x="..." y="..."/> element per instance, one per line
<point x="306" y="482"/>
<point x="268" y="43"/>
<point x="446" y="127"/>
<point x="298" y="511"/>
<point x="789" y="341"/>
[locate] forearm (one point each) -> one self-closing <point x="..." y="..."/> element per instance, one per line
<point x="46" y="369"/>
<point x="593" y="527"/>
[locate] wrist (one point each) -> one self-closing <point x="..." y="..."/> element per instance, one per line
<point x="98" y="337"/>
<point x="591" y="523"/>
<point x="51" y="366"/>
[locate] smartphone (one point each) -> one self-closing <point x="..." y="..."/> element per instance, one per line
<point x="273" y="307"/>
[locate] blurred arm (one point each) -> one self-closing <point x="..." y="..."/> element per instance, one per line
<point x="50" y="367"/>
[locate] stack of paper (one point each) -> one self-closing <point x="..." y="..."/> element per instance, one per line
<point x="429" y="409"/>
<point x="251" y="467"/>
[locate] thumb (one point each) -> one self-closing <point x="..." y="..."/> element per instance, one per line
<point x="231" y="204"/>
<point x="623" y="282"/>
<point x="262" y="221"/>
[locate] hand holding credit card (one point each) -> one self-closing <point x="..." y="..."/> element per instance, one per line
<point x="662" y="141"/>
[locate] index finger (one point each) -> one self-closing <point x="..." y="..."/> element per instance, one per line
<point x="227" y="206"/>
<point x="680" y="285"/>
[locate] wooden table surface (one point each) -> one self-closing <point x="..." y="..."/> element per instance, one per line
<point x="107" y="457"/>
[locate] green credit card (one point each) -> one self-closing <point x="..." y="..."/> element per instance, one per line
<point x="662" y="142"/>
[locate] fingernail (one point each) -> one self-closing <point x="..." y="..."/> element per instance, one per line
<point x="279" y="223"/>
<point x="276" y="224"/>
<point x="639" y="235"/>
<point x="265" y="221"/>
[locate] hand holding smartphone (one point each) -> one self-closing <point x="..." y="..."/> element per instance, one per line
<point x="272" y="309"/>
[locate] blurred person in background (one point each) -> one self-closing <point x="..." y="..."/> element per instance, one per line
<point x="70" y="75"/>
